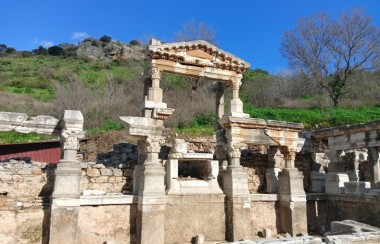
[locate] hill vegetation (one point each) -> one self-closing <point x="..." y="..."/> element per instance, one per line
<point x="102" y="79"/>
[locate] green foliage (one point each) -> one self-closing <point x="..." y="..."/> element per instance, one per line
<point x="135" y="43"/>
<point x="16" y="137"/>
<point x="107" y="126"/>
<point x="26" y="54"/>
<point x="56" y="51"/>
<point x="40" y="51"/>
<point x="105" y="39"/>
<point x="317" y="117"/>
<point x="10" y="50"/>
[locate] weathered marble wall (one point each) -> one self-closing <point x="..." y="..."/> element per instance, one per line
<point x="187" y="216"/>
<point x="107" y="224"/>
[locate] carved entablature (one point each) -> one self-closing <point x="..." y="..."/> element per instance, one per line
<point x="197" y="53"/>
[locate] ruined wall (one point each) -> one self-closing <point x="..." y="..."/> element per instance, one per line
<point x="108" y="179"/>
<point x="187" y="216"/>
<point x="365" y="209"/>
<point x="26" y="180"/>
<point x="317" y="216"/>
<point x="265" y="215"/>
<point x="24" y="222"/>
<point x="107" y="224"/>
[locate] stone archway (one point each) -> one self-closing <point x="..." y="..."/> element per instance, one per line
<point x="234" y="131"/>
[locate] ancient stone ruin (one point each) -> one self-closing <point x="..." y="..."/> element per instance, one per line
<point x="261" y="179"/>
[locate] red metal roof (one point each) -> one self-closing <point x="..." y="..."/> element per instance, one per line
<point x="48" y="152"/>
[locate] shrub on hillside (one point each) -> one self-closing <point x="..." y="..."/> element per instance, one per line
<point x="56" y="51"/>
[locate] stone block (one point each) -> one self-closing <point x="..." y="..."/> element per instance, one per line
<point x="271" y="176"/>
<point x="6" y="177"/>
<point x="267" y="233"/>
<point x="101" y="179"/>
<point x="290" y="182"/>
<point x="118" y="172"/>
<point x="17" y="178"/>
<point x="317" y="181"/>
<point x="106" y="172"/>
<point x="200" y="239"/>
<point x="25" y="172"/>
<point x="335" y="182"/>
<point x="93" y="172"/>
<point x="355" y="188"/>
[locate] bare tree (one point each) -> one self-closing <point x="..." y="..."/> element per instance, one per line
<point x="191" y="30"/>
<point x="330" y="52"/>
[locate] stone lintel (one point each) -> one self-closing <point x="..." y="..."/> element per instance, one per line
<point x="346" y="130"/>
<point x="256" y="197"/>
<point x="293" y="198"/>
<point x="142" y="126"/>
<point x="191" y="156"/>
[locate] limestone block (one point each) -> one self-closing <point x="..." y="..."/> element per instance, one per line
<point x="9" y="120"/>
<point x="72" y="120"/>
<point x="317" y="181"/>
<point x="106" y="172"/>
<point x="40" y="124"/>
<point x="93" y="172"/>
<point x="335" y="182"/>
<point x="290" y="182"/>
<point x="235" y="181"/>
<point x="355" y="188"/>
<point x="117" y="172"/>
<point x="101" y="179"/>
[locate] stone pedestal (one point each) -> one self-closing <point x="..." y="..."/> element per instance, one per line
<point x="238" y="218"/>
<point x="235" y="186"/>
<point x="67" y="179"/>
<point x="335" y="182"/>
<point x="151" y="205"/>
<point x="235" y="181"/>
<point x="353" y="175"/>
<point x="271" y="175"/>
<point x="355" y="188"/>
<point x="317" y="181"/>
<point x="292" y="202"/>
<point x="64" y="221"/>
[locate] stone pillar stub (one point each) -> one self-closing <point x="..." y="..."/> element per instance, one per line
<point x="64" y="224"/>
<point x="374" y="166"/>
<point x="292" y="202"/>
<point x="317" y="181"/>
<point x="239" y="222"/>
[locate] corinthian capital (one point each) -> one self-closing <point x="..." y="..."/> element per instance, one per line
<point x="70" y="139"/>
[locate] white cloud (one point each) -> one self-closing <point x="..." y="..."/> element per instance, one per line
<point x="47" y="44"/>
<point x="43" y="43"/>
<point x="79" y="35"/>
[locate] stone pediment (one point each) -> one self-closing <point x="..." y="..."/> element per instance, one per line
<point x="197" y="53"/>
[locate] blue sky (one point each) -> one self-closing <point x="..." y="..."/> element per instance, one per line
<point x="251" y="30"/>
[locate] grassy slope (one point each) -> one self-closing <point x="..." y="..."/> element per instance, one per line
<point x="35" y="76"/>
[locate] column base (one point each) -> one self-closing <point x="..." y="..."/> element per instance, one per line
<point x="335" y="182"/>
<point x="235" y="181"/>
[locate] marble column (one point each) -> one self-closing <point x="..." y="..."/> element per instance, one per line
<point x="235" y="186"/>
<point x="65" y="205"/>
<point x="236" y="105"/>
<point x="151" y="194"/>
<point x="292" y="196"/>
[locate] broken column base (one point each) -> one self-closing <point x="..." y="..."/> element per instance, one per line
<point x="292" y="202"/>
<point x="335" y="182"/>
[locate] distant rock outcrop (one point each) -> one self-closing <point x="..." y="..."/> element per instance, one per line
<point x="96" y="49"/>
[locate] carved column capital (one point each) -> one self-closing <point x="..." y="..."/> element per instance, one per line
<point x="70" y="139"/>
<point x="155" y="73"/>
